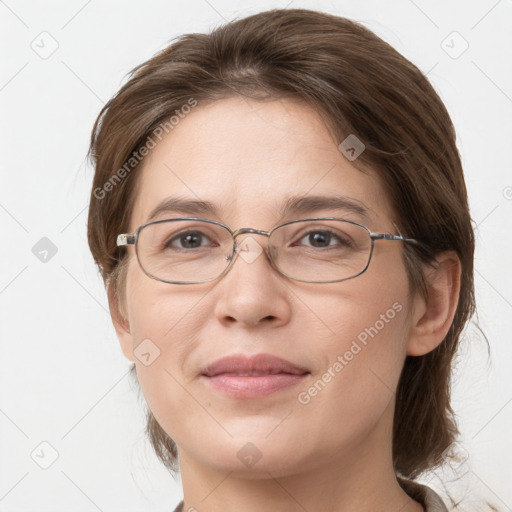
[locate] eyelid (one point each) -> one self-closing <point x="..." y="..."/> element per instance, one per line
<point x="326" y="227"/>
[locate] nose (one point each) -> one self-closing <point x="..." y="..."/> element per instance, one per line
<point x="253" y="291"/>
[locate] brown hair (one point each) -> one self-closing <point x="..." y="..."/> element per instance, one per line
<point x="361" y="86"/>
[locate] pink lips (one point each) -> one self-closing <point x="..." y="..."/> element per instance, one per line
<point x="252" y="377"/>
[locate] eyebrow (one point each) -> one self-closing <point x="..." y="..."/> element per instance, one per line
<point x="295" y="205"/>
<point x="307" y="204"/>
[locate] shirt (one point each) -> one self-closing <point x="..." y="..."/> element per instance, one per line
<point x="421" y="493"/>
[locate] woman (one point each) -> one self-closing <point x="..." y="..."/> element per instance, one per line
<point x="280" y="216"/>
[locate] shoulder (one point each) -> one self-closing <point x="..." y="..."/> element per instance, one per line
<point x="430" y="500"/>
<point x="421" y="493"/>
<point x="179" y="507"/>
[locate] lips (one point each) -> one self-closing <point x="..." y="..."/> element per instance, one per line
<point x="259" y="364"/>
<point x="254" y="377"/>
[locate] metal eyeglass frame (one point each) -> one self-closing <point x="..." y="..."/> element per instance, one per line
<point x="125" y="239"/>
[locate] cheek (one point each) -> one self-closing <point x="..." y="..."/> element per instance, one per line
<point x="365" y="322"/>
<point x="361" y="364"/>
<point x="367" y="340"/>
<point x="160" y="311"/>
<point x="165" y="324"/>
<point x="369" y="311"/>
<point x="169" y="335"/>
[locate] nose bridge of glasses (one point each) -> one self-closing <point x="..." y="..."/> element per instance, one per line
<point x="249" y="231"/>
<point x="252" y="231"/>
<point x="241" y="231"/>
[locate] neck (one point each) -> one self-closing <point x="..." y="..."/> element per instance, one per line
<point x="360" y="478"/>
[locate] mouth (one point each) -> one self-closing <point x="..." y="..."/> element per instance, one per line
<point x="257" y="376"/>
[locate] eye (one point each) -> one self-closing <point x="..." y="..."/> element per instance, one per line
<point x="187" y="240"/>
<point x="323" y="238"/>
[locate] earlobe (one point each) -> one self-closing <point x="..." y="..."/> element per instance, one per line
<point x="433" y="315"/>
<point x="121" y="325"/>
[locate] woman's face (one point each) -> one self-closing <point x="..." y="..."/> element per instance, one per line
<point x="248" y="158"/>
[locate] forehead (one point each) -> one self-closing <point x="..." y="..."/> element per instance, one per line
<point x="248" y="158"/>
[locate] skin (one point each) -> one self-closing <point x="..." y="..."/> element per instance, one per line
<point x="334" y="453"/>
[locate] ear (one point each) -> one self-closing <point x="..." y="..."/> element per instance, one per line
<point x="433" y="316"/>
<point x="121" y="325"/>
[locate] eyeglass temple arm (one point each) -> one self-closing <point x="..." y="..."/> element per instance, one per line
<point x="385" y="236"/>
<point x="126" y="239"/>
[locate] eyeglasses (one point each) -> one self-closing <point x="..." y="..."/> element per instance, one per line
<point x="191" y="250"/>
